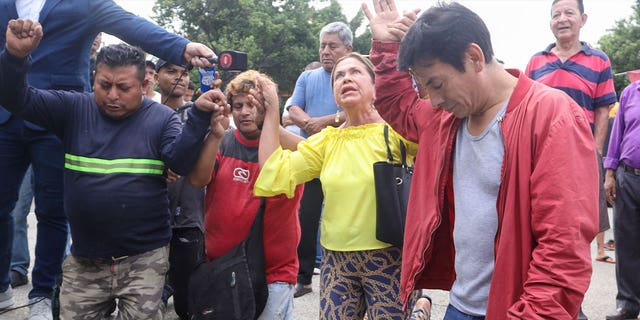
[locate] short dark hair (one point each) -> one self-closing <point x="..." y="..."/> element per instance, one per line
<point x="444" y="32"/>
<point x="122" y="55"/>
<point x="580" y="5"/>
<point x="150" y="63"/>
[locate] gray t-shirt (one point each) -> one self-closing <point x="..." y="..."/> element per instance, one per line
<point x="477" y="169"/>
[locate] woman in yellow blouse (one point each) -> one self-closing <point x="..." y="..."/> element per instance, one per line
<point x="358" y="273"/>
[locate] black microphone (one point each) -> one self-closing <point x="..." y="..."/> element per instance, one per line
<point x="212" y="60"/>
<point x="228" y="60"/>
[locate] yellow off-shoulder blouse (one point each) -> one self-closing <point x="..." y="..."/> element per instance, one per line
<point x="343" y="158"/>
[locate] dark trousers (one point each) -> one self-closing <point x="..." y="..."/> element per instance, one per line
<point x="309" y="214"/>
<point x="185" y="252"/>
<point x="19" y="147"/>
<point x="627" y="236"/>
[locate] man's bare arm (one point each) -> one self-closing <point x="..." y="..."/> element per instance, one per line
<point x="298" y="116"/>
<point x="601" y="124"/>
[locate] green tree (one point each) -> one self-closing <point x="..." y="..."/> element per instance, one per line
<point x="280" y="37"/>
<point x="362" y="42"/>
<point x="622" y="45"/>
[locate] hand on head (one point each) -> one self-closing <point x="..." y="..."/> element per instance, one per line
<point x="387" y="24"/>
<point x="265" y="95"/>
<point x="23" y="36"/>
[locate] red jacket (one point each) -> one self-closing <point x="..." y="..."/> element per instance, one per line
<point x="547" y="202"/>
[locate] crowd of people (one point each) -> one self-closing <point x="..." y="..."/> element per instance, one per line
<point x="135" y="188"/>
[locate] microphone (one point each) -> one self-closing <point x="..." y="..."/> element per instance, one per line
<point x="228" y="60"/>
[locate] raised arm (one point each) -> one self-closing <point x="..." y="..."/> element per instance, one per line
<point x="267" y="94"/>
<point x="396" y="100"/>
<point x="200" y="175"/>
<point x="181" y="153"/>
<point x="289" y="140"/>
<point x="111" y="18"/>
<point x="22" y="37"/>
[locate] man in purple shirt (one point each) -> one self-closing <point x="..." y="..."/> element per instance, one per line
<point x="622" y="187"/>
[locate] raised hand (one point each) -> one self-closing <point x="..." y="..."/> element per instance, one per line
<point x="23" y="36"/>
<point x="388" y="24"/>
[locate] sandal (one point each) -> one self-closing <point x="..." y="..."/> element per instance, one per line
<point x="422" y="308"/>
<point x="300" y="290"/>
<point x="606" y="259"/>
<point x="609" y="245"/>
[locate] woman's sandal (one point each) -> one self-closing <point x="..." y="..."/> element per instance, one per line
<point x="422" y="308"/>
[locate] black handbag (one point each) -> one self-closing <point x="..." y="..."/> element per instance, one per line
<point x="234" y="286"/>
<point x="392" y="184"/>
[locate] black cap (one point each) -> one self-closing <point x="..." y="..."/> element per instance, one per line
<point x="161" y="63"/>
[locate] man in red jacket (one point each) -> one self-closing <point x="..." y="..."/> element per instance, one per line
<point x="500" y="212"/>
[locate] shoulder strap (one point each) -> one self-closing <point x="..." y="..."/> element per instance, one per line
<point x="386" y="141"/>
<point x="256" y="227"/>
<point x="403" y="149"/>
<point x="403" y="153"/>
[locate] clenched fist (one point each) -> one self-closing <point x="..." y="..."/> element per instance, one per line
<point x="23" y="36"/>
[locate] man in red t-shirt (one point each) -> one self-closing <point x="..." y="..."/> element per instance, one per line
<point x="228" y="166"/>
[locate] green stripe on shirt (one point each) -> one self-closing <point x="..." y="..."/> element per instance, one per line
<point x="103" y="166"/>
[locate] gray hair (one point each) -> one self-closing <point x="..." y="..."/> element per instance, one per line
<point x="343" y="31"/>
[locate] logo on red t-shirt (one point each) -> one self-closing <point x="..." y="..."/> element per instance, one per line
<point x="241" y="175"/>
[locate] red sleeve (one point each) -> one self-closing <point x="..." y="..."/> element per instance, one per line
<point x="396" y="100"/>
<point x="564" y="214"/>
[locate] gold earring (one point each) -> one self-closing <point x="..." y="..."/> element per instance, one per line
<point x="337" y="116"/>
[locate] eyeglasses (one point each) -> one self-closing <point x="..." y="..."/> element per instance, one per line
<point x="415" y="78"/>
<point x="417" y="84"/>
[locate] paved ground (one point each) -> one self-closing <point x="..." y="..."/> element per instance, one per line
<point x="599" y="301"/>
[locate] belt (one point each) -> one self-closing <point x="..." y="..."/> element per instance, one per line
<point x="631" y="169"/>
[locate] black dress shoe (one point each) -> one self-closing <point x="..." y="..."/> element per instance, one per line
<point x="18" y="279"/>
<point x="623" y="314"/>
<point x="301" y="290"/>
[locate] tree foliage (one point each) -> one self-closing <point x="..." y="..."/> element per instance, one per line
<point x="280" y="37"/>
<point x="622" y="45"/>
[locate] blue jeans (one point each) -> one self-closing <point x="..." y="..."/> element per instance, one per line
<point x="455" y="314"/>
<point x="20" y="258"/>
<point x="19" y="147"/>
<point x="280" y="302"/>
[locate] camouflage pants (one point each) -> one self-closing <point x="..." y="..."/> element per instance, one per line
<point x="90" y="287"/>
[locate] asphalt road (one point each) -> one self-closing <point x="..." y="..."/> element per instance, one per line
<point x="599" y="300"/>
